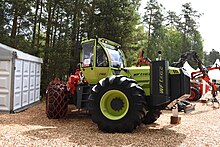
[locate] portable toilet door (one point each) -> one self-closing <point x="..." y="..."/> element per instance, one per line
<point x="5" y="84"/>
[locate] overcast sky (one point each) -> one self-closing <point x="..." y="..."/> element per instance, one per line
<point x="209" y="22"/>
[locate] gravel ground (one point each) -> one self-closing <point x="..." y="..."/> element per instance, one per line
<point x="32" y="128"/>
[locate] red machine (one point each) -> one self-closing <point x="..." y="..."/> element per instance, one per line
<point x="197" y="90"/>
<point x="141" y="61"/>
<point x="76" y="79"/>
<point x="199" y="74"/>
<point x="202" y="73"/>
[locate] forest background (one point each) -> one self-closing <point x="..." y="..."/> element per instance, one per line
<point x="53" y="29"/>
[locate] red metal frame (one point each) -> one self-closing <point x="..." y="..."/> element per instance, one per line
<point x="205" y="77"/>
<point x="74" y="80"/>
<point x="141" y="60"/>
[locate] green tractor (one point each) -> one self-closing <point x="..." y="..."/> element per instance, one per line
<point x="119" y="98"/>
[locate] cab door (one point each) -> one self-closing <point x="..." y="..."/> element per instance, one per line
<point x="102" y="68"/>
<point x="95" y="64"/>
<point x="87" y="59"/>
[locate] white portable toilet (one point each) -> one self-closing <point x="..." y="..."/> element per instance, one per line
<point x="20" y="76"/>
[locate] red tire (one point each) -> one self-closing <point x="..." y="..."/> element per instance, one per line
<point x="56" y="100"/>
<point x="195" y="95"/>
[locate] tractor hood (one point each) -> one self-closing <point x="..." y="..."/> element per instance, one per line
<point x="139" y="74"/>
<point x="142" y="75"/>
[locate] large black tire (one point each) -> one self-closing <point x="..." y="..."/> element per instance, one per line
<point x="56" y="100"/>
<point x="151" y="116"/>
<point x="117" y="104"/>
<point x="195" y="94"/>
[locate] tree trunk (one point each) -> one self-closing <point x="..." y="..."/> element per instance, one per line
<point x="39" y="24"/>
<point x="15" y="22"/>
<point x="55" y="27"/>
<point x="74" y="62"/>
<point x="91" y="31"/>
<point x="35" y="24"/>
<point x="2" y="17"/>
<point x="49" y="22"/>
<point x="45" y="77"/>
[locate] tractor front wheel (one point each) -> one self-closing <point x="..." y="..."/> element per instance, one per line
<point x="56" y="100"/>
<point x="117" y="104"/>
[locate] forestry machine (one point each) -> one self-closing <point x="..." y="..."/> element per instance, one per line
<point x="197" y="87"/>
<point x="118" y="98"/>
<point x="202" y="73"/>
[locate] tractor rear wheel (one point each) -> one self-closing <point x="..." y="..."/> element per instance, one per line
<point x="56" y="100"/>
<point x="151" y="116"/>
<point x="117" y="104"/>
<point x="195" y="94"/>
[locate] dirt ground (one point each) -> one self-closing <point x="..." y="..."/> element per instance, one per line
<point x="32" y="128"/>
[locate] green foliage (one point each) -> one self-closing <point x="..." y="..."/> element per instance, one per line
<point x="172" y="44"/>
<point x="134" y="45"/>
<point x="52" y="29"/>
<point x="153" y="19"/>
<point x="211" y="57"/>
<point x="171" y="33"/>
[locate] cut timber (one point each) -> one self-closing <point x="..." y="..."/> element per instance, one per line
<point x="203" y="101"/>
<point x="175" y="120"/>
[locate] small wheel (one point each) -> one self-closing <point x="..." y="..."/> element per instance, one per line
<point x="56" y="100"/>
<point x="151" y="116"/>
<point x="195" y="94"/>
<point x="117" y="104"/>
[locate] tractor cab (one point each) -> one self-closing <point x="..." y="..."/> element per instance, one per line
<point x="100" y="58"/>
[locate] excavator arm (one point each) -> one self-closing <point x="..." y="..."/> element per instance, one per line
<point x="202" y="73"/>
<point x="191" y="56"/>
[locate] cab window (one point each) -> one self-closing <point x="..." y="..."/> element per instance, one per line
<point x="101" y="57"/>
<point x="87" y="54"/>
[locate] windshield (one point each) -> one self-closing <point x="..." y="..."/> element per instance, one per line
<point x="115" y="55"/>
